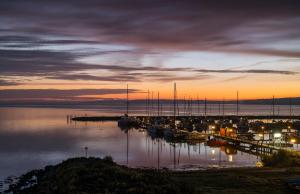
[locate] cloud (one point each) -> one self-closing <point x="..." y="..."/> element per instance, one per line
<point x="31" y="94"/>
<point x="41" y="38"/>
<point x="255" y="71"/>
<point x="39" y="62"/>
<point x="174" y="78"/>
<point x="228" y="25"/>
<point x="8" y="83"/>
<point x="30" y="41"/>
<point x="80" y="76"/>
<point x="234" y="78"/>
<point x="64" y="65"/>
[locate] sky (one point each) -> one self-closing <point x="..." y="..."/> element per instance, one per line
<point x="91" y="49"/>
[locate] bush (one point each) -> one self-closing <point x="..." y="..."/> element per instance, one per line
<point x="282" y="158"/>
<point x="95" y="175"/>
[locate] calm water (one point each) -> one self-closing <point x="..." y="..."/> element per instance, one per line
<point x="31" y="138"/>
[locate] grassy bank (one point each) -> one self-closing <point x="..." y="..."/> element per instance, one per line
<point x="281" y="159"/>
<point x="94" y="175"/>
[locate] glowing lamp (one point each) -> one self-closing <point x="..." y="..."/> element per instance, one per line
<point x="277" y="135"/>
<point x="293" y="140"/>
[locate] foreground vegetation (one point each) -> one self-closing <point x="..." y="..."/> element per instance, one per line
<point x="94" y="175"/>
<point x="281" y="159"/>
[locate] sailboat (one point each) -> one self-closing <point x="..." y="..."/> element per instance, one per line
<point x="126" y="121"/>
<point x="156" y="129"/>
<point x="172" y="132"/>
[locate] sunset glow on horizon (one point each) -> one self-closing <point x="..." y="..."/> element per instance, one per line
<point x="210" y="49"/>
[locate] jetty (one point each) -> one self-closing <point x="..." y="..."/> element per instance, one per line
<point x="209" y="117"/>
<point x="96" y="118"/>
<point x="255" y="147"/>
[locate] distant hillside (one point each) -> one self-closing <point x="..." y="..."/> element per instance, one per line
<point x="121" y="102"/>
<point x="281" y="101"/>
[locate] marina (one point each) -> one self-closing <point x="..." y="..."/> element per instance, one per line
<point x="236" y="130"/>
<point x="212" y="128"/>
<point x="161" y="138"/>
<point x="151" y="97"/>
<point x="177" y="135"/>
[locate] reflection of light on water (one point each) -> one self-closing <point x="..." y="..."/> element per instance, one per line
<point x="213" y="154"/>
<point x="259" y="164"/>
<point x="227" y="150"/>
<point x="293" y="140"/>
<point x="230" y="158"/>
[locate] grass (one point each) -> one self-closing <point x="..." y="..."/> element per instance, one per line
<point x="94" y="175"/>
<point x="282" y="158"/>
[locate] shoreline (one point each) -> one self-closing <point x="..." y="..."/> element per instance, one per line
<point x="95" y="175"/>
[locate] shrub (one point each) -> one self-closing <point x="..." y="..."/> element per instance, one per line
<point x="282" y="158"/>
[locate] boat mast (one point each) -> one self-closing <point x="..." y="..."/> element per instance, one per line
<point x="290" y="102"/>
<point x="219" y="108"/>
<point x="152" y="104"/>
<point x="148" y="103"/>
<point x="223" y="108"/>
<point x="273" y="106"/>
<point x="147" y="99"/>
<point x="191" y="106"/>
<point x="175" y="104"/>
<point x="161" y="108"/>
<point x="237" y="103"/>
<point x="127" y="102"/>
<point x="184" y="106"/>
<point x="158" y="104"/>
<point x="198" y="105"/>
<point x="205" y="107"/>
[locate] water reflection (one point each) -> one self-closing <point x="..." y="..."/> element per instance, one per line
<point x="31" y="138"/>
<point x="163" y="154"/>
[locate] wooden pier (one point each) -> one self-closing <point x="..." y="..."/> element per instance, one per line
<point x="212" y="117"/>
<point x="256" y="147"/>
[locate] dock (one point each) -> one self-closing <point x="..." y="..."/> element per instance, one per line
<point x="95" y="118"/>
<point x="209" y="117"/>
<point x="255" y="147"/>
